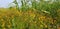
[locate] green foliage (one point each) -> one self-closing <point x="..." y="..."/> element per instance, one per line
<point x="41" y="15"/>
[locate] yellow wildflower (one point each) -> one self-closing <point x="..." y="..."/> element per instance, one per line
<point x="32" y="15"/>
<point x="42" y="17"/>
<point x="9" y="26"/>
<point x="45" y="26"/>
<point x="41" y="25"/>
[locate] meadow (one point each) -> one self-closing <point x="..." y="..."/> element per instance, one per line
<point x="41" y="15"/>
<point x="30" y="19"/>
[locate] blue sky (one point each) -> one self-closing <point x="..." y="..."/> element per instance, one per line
<point x="5" y="3"/>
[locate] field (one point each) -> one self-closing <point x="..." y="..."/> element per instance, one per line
<point x="30" y="19"/>
<point x="39" y="14"/>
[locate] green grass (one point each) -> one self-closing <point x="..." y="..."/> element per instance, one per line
<point x="41" y="15"/>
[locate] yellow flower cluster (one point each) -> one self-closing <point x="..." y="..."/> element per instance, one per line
<point x="9" y="18"/>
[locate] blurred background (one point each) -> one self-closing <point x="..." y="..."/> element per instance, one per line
<point x="29" y="14"/>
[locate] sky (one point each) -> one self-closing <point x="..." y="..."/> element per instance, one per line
<point x="5" y="3"/>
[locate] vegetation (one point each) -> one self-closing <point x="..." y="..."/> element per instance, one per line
<point x="38" y="14"/>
